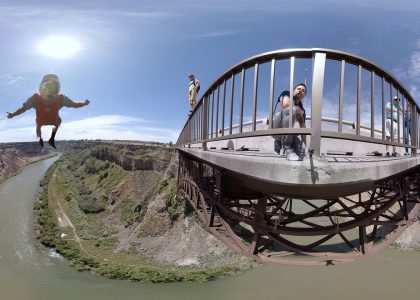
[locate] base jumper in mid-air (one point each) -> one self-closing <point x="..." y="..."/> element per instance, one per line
<point x="47" y="104"/>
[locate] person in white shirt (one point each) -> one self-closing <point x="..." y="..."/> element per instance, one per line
<point x="193" y="88"/>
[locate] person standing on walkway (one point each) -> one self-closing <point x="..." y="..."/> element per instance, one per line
<point x="391" y="129"/>
<point x="294" y="147"/>
<point x="193" y="89"/>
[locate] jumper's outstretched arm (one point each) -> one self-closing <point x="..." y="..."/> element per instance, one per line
<point x="19" y="111"/>
<point x="78" y="104"/>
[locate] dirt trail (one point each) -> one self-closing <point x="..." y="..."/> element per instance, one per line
<point x="63" y="219"/>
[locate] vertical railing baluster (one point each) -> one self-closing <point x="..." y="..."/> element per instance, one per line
<point x="404" y="114"/>
<point x="224" y="104"/>
<point x="231" y="103"/>
<point x="271" y="100"/>
<point x="392" y="110"/>
<point x="409" y="110"/>
<point x="212" y="114"/>
<point x="398" y="116"/>
<point x="372" y="104"/>
<point x="383" y="108"/>
<point x="341" y="97"/>
<point x="205" y="122"/>
<point x="254" y="107"/>
<point x="200" y="129"/>
<point x="317" y="98"/>
<point x="217" y="111"/>
<point x="195" y="125"/>
<point x="193" y="128"/>
<point x="198" y="124"/>
<point x="416" y="131"/>
<point x="189" y="133"/>
<point x="359" y="92"/>
<point x="412" y="130"/>
<point x="291" y="79"/>
<point x="198" y="121"/>
<point x="203" y="118"/>
<point x="241" y="111"/>
<point x="203" y="136"/>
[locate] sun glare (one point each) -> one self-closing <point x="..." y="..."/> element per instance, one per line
<point x="58" y="46"/>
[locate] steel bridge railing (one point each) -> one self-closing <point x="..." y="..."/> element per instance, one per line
<point x="208" y="122"/>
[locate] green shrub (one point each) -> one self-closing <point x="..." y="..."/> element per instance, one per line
<point x="91" y="205"/>
<point x="130" y="214"/>
<point x="103" y="176"/>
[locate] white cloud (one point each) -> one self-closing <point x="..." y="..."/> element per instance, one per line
<point x="414" y="69"/>
<point x="212" y="34"/>
<point x="10" y="79"/>
<point x="31" y="12"/>
<point x="106" y="127"/>
<point x="17" y="122"/>
<point x="414" y="91"/>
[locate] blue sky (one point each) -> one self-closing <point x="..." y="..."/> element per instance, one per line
<point x="135" y="56"/>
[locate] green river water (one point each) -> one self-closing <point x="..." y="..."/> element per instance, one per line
<point x="28" y="271"/>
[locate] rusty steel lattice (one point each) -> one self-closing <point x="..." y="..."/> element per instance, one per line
<point x="287" y="230"/>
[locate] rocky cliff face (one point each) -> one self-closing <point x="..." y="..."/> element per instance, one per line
<point x="410" y="239"/>
<point x="122" y="202"/>
<point x="14" y="156"/>
<point x="127" y="160"/>
<point x="170" y="238"/>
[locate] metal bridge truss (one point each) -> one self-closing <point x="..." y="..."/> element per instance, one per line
<point x="286" y="230"/>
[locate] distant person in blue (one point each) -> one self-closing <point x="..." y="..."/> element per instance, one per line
<point x="392" y="133"/>
<point x="407" y="131"/>
<point x="293" y="147"/>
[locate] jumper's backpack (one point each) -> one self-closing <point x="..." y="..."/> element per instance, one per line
<point x="197" y="88"/>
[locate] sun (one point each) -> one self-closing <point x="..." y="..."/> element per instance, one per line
<point x="58" y="46"/>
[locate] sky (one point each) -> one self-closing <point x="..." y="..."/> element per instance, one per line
<point x="131" y="59"/>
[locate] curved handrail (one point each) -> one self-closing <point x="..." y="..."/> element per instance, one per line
<point x="199" y="128"/>
<point x="302" y="53"/>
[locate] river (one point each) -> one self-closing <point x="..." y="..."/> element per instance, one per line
<point x="32" y="272"/>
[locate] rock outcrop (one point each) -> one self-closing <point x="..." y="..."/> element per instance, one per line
<point x="127" y="159"/>
<point x="13" y="156"/>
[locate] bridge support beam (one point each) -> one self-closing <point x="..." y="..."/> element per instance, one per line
<point x="362" y="239"/>
<point x="279" y="228"/>
<point x="259" y="219"/>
